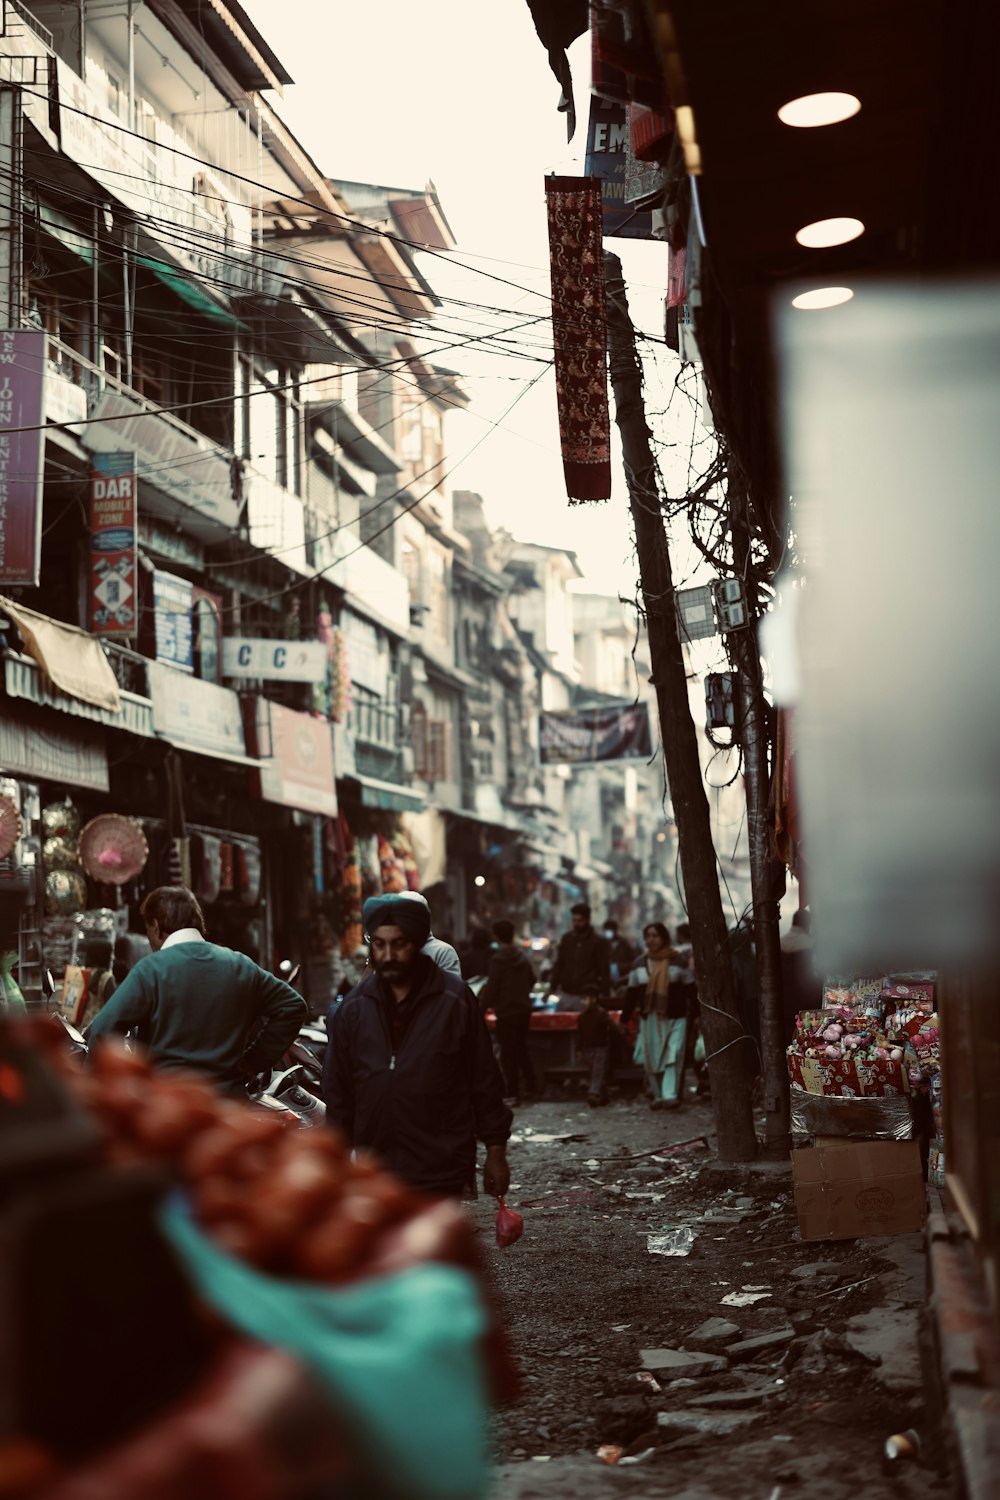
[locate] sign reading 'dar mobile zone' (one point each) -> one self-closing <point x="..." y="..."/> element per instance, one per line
<point x="112" y="544"/>
<point x="615" y="731"/>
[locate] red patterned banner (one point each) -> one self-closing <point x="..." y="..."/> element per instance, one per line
<point x="579" y="334"/>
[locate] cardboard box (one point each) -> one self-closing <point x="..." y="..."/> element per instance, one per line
<point x="847" y="1190"/>
<point x="847" y="1076"/>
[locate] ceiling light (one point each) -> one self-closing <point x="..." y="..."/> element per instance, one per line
<point x="824" y="296"/>
<point x="818" y="109"/>
<point x="826" y="232"/>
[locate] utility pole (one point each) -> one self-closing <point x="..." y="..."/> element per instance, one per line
<point x="754" y="738"/>
<point x="729" y="1050"/>
<point x="11" y="138"/>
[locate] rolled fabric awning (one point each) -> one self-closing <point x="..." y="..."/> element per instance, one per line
<point x="70" y="659"/>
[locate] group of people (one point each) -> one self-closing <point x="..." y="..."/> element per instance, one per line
<point x="410" y="1070"/>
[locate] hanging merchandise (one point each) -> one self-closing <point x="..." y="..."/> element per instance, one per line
<point x="371" y="869"/>
<point x="340" y="677"/>
<point x="61" y="853"/>
<point x="65" y="893"/>
<point x="352" y="931"/>
<point x="227" y="874"/>
<point x="405" y="854"/>
<point x="11" y="999"/>
<point x="60" y="820"/>
<point x="10" y="826"/>
<point x="248" y="873"/>
<point x="391" y="868"/>
<point x="113" y="849"/>
<point x="206" y="865"/>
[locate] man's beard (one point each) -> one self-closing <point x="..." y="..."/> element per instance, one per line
<point x="394" y="971"/>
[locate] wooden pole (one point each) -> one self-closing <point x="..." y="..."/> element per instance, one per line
<point x="730" y="1051"/>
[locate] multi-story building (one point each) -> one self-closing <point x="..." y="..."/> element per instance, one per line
<point x="225" y="379"/>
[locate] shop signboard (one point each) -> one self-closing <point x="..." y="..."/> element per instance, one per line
<point x="614" y="731"/>
<point x="608" y="159"/>
<point x="113" y="559"/>
<point x="22" y="436"/>
<point x="279" y="661"/>
<point x="173" y="602"/>
<point x="296" y="759"/>
<point x="196" y="715"/>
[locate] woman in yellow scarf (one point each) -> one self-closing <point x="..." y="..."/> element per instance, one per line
<point x="656" y="985"/>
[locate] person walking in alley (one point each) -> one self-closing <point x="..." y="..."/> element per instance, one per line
<point x="196" y="1005"/>
<point x="582" y="959"/>
<point x="409" y="1069"/>
<point x="509" y="982"/>
<point x="658" y="987"/>
<point x="621" y="954"/>
<point x="601" y="1045"/>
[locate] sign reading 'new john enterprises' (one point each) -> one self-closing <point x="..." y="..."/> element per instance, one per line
<point x="615" y="731"/>
<point x="22" y="422"/>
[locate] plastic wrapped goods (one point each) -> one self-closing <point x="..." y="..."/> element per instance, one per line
<point x="871" y="1117"/>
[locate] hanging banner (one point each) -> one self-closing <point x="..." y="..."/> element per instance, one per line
<point x="22" y="436"/>
<point x="173" y="602"/>
<point x="615" y="731"/>
<point x="580" y="334"/>
<point x="113" y="559"/>
<point x="608" y="159"/>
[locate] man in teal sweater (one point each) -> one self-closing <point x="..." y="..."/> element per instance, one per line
<point x="197" y="1006"/>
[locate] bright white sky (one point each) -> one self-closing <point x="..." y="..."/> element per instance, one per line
<point x="460" y="91"/>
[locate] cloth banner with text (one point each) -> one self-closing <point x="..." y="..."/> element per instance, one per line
<point x="579" y="334"/>
<point x="615" y="731"/>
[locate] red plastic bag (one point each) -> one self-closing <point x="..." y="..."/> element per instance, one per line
<point x="510" y="1225"/>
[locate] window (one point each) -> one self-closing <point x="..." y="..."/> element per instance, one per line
<point x="207" y="626"/>
<point x="418" y="730"/>
<point x="268" y="421"/>
<point x="438" y="750"/>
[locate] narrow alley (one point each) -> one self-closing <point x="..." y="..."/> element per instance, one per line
<point x="746" y="1364"/>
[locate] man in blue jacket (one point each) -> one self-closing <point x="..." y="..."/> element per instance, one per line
<point x="409" y="1070"/>
<point x="197" y="1006"/>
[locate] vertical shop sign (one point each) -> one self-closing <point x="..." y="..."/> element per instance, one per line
<point x="173" y="602"/>
<point x="113" y="544"/>
<point x="22" y="435"/>
<point x="608" y="159"/>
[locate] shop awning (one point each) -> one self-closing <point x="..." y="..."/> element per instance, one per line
<point x="232" y="756"/>
<point x="190" y="292"/>
<point x="23" y="679"/>
<point x="70" y="659"/>
<point x="388" y="794"/>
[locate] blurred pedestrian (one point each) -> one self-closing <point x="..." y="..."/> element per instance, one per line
<point x="621" y="954"/>
<point x="476" y="954"/>
<point x="601" y="1044"/>
<point x="507" y="991"/>
<point x="657" y="988"/>
<point x="582" y="960"/>
<point x="409" y="1069"/>
<point x="801" y="989"/>
<point x="196" y="1005"/>
<point x="443" y="954"/>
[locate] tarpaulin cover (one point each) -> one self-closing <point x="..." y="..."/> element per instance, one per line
<point x="398" y="1354"/>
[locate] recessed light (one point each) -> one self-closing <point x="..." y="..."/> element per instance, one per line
<point x="818" y="109"/>
<point x="826" y="232"/>
<point x="824" y="296"/>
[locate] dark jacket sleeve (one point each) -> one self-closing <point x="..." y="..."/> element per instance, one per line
<point x="128" y="1009"/>
<point x="338" y="1075"/>
<point x="493" y="1118"/>
<point x="281" y="1012"/>
<point x="635" y="993"/>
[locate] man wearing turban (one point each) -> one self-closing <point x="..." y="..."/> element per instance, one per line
<point x="409" y="1069"/>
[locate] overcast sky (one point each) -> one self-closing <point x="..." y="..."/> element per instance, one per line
<point x="460" y="92"/>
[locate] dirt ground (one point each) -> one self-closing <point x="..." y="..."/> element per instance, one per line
<point x="583" y="1295"/>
